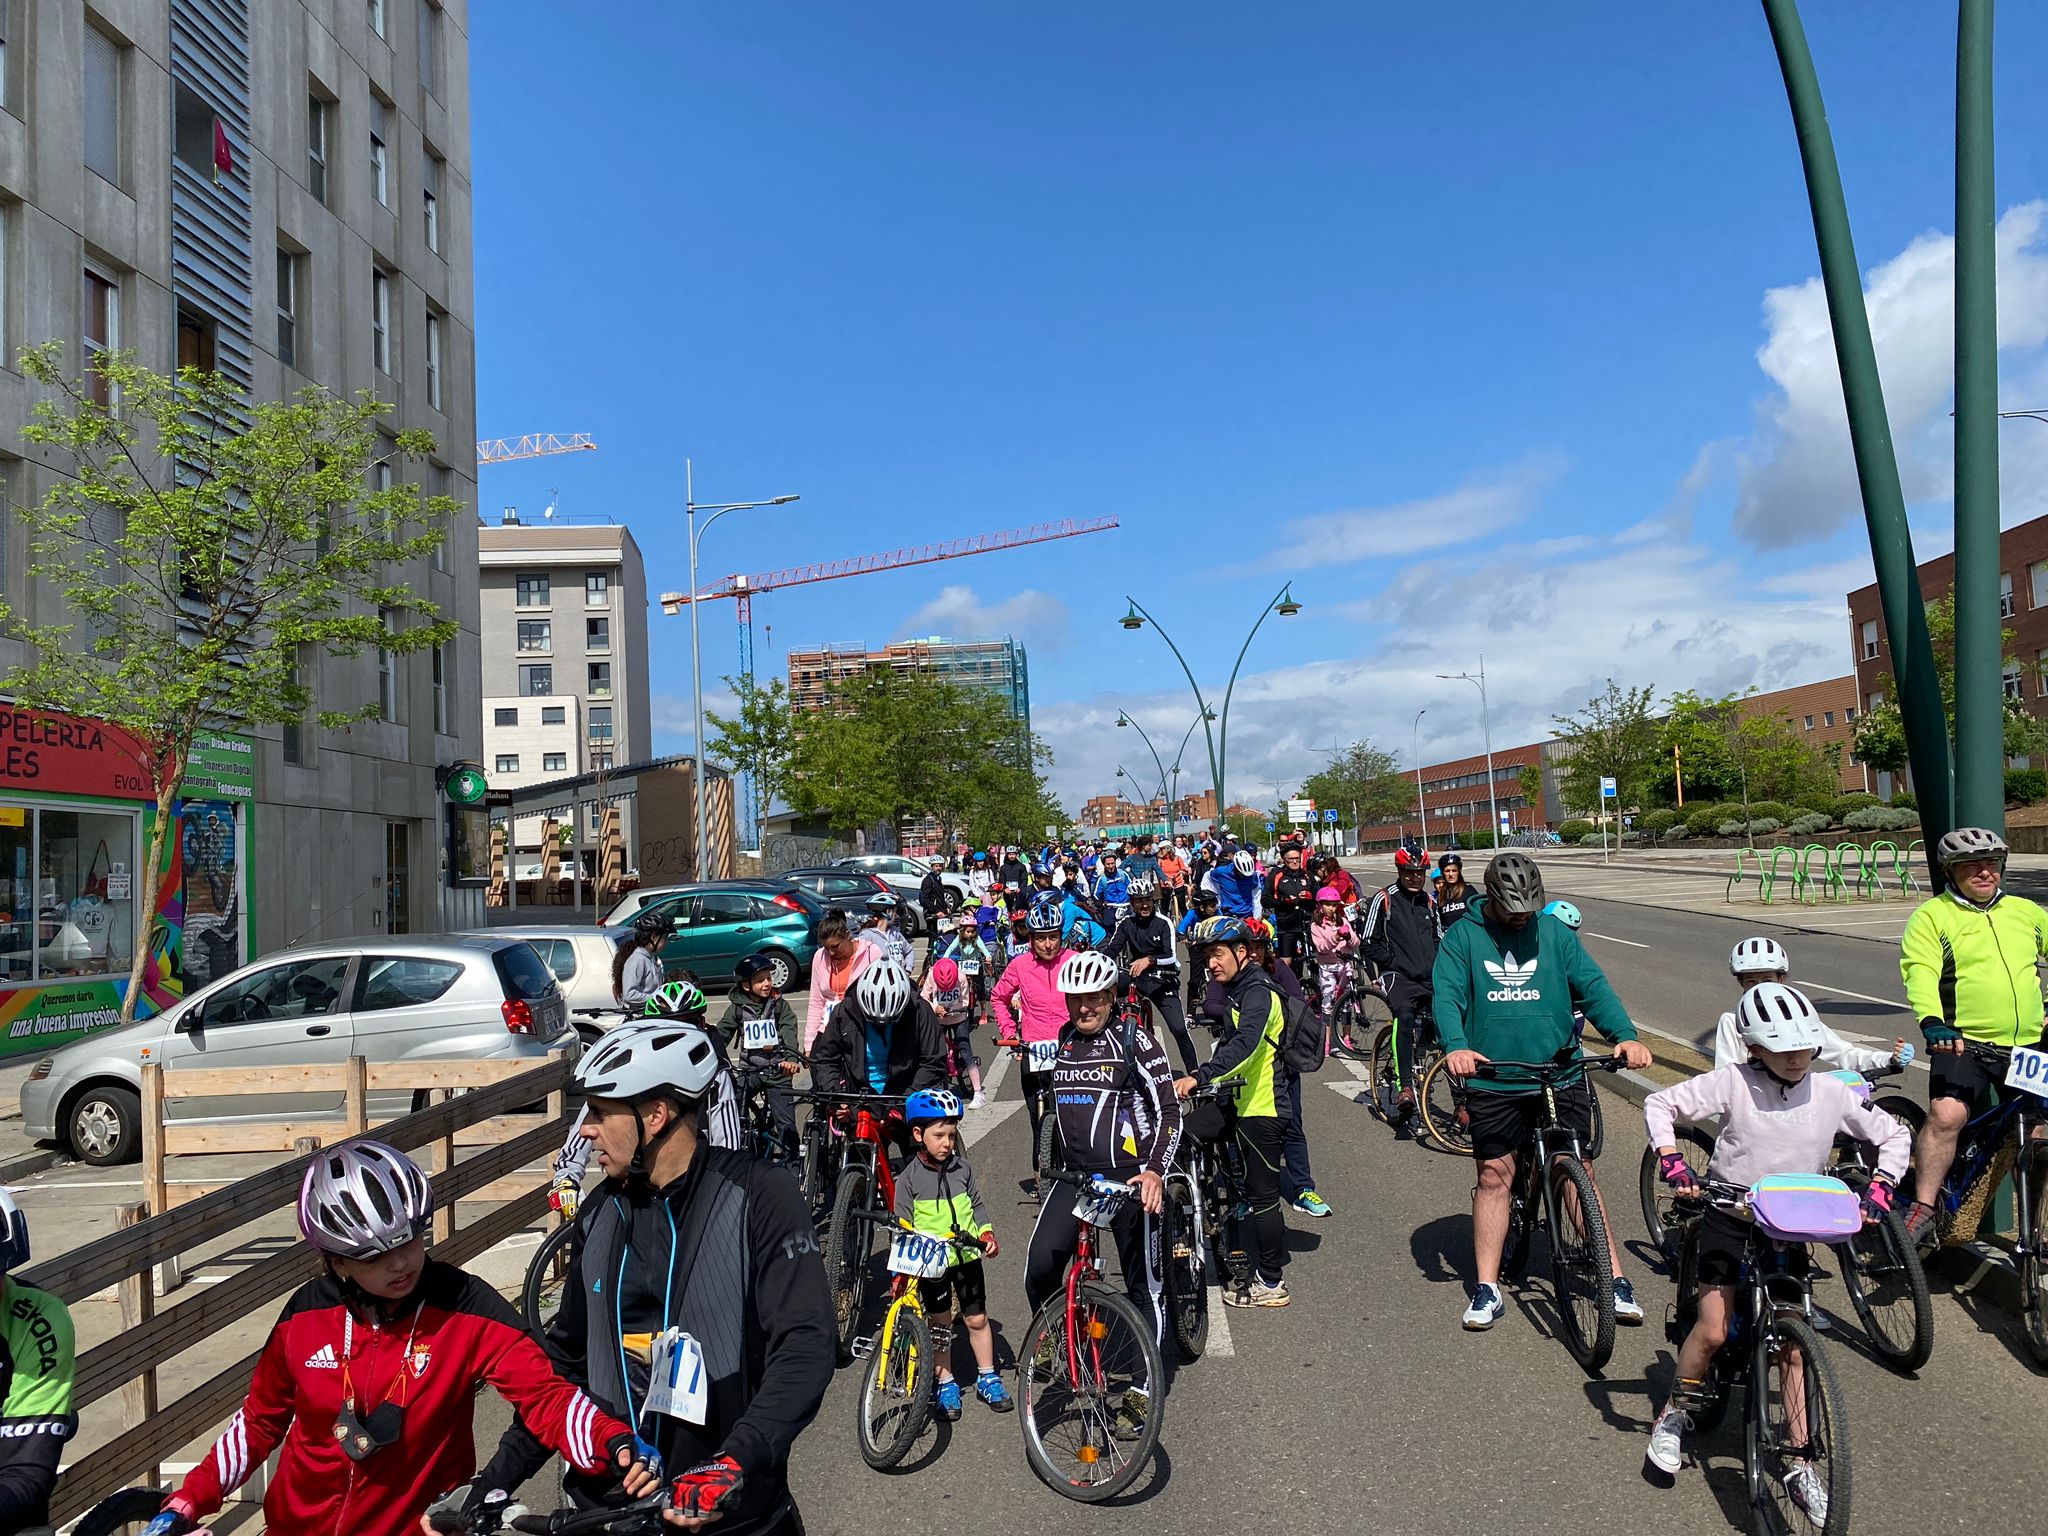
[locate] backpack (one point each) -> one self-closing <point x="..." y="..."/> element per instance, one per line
<point x="1300" y="1047"/>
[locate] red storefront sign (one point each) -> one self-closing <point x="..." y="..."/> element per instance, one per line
<point x="62" y="754"/>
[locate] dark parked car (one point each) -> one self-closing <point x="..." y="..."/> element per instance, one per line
<point x="849" y="890"/>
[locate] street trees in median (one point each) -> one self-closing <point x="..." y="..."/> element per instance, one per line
<point x="202" y="545"/>
<point x="757" y="736"/>
<point x="1363" y="776"/>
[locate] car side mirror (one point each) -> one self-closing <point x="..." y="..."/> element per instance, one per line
<point x="191" y="1020"/>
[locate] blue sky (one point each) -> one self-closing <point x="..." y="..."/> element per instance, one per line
<point x="1492" y="327"/>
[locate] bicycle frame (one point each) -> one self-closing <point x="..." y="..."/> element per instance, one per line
<point x="1989" y="1130"/>
<point x="867" y="1143"/>
<point x="1084" y="1268"/>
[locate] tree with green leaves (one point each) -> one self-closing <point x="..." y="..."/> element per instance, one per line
<point x="1529" y="779"/>
<point x="199" y="546"/>
<point x="758" y="736"/>
<point x="1881" y="729"/>
<point x="1363" y="776"/>
<point x="1615" y="734"/>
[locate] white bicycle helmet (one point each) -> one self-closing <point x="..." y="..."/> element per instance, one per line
<point x="13" y="1235"/>
<point x="1779" y="1018"/>
<point x="1142" y="885"/>
<point x="1086" y="970"/>
<point x="646" y="1056"/>
<point x="883" y="989"/>
<point x="1758" y="954"/>
<point x="1243" y="862"/>
<point x="362" y="1199"/>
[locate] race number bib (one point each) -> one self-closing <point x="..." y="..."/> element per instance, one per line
<point x="2028" y="1071"/>
<point x="920" y="1255"/>
<point x="1097" y="1210"/>
<point x="970" y="967"/>
<point x="760" y="1035"/>
<point x="1040" y="1055"/>
<point x="676" y="1387"/>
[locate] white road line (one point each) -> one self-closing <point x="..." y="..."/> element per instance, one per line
<point x="993" y="1078"/>
<point x="1865" y="997"/>
<point x="1610" y="938"/>
<point x="1219" y="1346"/>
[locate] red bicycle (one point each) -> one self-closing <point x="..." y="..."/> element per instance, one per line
<point x="1093" y="1387"/>
<point x="866" y="1187"/>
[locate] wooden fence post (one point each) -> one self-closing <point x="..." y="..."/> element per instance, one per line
<point x="444" y="1159"/>
<point x="153" y="1188"/>
<point x="138" y="1306"/>
<point x="355" y="1096"/>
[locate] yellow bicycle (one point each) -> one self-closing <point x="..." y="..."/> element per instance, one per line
<point x="895" y="1400"/>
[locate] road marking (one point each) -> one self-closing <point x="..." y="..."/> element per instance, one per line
<point x="1610" y="938"/>
<point x="1219" y="1344"/>
<point x="1845" y="992"/>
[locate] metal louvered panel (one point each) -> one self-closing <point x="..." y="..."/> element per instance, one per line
<point x="211" y="259"/>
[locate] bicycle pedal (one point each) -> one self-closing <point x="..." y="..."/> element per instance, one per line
<point x="1183" y="1251"/>
<point x="863" y="1346"/>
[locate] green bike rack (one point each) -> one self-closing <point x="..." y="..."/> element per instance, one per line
<point x="1864" y="884"/>
<point x="1736" y="879"/>
<point x="1786" y="851"/>
<point x="1880" y="876"/>
<point x="1909" y="860"/>
<point x="1829" y="878"/>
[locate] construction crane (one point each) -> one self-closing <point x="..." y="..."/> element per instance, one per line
<point x="744" y="589"/>
<point x="535" y="445"/>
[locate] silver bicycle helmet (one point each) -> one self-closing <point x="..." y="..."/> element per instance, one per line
<point x="1086" y="970"/>
<point x="1142" y="885"/>
<point x="1969" y="843"/>
<point x="362" y="1199"/>
<point x="883" y="989"/>
<point x="647" y="1056"/>
<point x="1758" y="954"/>
<point x="1243" y="862"/>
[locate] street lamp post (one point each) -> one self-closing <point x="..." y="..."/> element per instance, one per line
<point x="1124" y="719"/>
<point x="1282" y="603"/>
<point x="1173" y="795"/>
<point x="1415" y="746"/>
<point x="1485" y="725"/>
<point x="671" y="601"/>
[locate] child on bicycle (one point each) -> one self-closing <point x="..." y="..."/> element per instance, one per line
<point x="1333" y="943"/>
<point x="763" y="1025"/>
<point x="963" y="946"/>
<point x="936" y="1194"/>
<point x="1757" y="960"/>
<point x="1778" y="1116"/>
<point x="952" y="998"/>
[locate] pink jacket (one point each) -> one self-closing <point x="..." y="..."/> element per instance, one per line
<point x="1332" y="941"/>
<point x="824" y="996"/>
<point x="1031" y="981"/>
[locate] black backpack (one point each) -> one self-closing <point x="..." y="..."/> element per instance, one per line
<point x="1300" y="1047"/>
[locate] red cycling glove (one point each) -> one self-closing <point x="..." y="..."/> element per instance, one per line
<point x="1673" y="1169"/>
<point x="705" y="1488"/>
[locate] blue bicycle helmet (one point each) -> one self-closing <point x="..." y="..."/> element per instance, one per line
<point x="1225" y="929"/>
<point x="1565" y="913"/>
<point x="929" y="1104"/>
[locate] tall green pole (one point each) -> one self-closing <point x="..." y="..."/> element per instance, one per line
<point x="1870" y="437"/>
<point x="1980" y="661"/>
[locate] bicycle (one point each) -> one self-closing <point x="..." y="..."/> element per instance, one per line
<point x="1991" y="1146"/>
<point x="1553" y="1190"/>
<point x="1214" y="1172"/>
<point x="1037" y="1057"/>
<point x="1789" y="1421"/>
<point x="1092" y="1376"/>
<point x="547" y="1275"/>
<point x="895" y="1400"/>
<point x="866" y="1184"/>
<point x="1386" y="1087"/>
<point x="1351" y="1015"/>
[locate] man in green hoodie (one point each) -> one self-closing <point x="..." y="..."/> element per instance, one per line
<point x="1505" y="986"/>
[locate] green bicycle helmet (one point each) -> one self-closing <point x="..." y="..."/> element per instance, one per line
<point x="676" y="1000"/>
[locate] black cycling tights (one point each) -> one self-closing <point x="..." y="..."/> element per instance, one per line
<point x="1164" y="995"/>
<point x="1036" y="1083"/>
<point x="1260" y="1140"/>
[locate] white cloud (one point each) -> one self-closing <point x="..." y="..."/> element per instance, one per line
<point x="959" y="614"/>
<point x="1479" y="508"/>
<point x="1798" y="478"/>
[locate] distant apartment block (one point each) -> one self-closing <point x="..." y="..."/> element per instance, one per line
<point x="817" y="675"/>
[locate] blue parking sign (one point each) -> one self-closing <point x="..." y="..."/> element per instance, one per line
<point x="1329" y="815"/>
<point x="1269" y="826"/>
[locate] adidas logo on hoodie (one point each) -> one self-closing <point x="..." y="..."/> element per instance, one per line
<point x="1513" y="977"/>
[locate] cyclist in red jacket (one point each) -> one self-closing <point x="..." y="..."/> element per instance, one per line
<point x="369" y="1378"/>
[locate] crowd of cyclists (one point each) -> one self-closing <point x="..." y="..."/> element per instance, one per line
<point x="696" y="1335"/>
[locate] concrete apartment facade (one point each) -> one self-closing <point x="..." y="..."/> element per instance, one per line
<point x="563" y="611"/>
<point x="994" y="666"/>
<point x="279" y="191"/>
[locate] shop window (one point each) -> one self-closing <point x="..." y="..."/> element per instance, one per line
<point x="67" y="893"/>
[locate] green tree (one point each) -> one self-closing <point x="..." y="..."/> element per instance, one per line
<point x="1615" y="735"/>
<point x="1881" y="730"/>
<point x="758" y="736"/>
<point x="202" y="544"/>
<point x="1530" y="781"/>
<point x="1362" y="776"/>
<point x="1700" y="728"/>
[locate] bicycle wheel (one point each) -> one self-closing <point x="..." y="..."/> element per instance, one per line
<point x="1581" y="1276"/>
<point x="1187" y="1278"/>
<point x="1442" y="1103"/>
<point x="1094" y="1420"/>
<point x="1708" y="1412"/>
<point x="849" y="1244"/>
<point x="819" y="1177"/>
<point x="1795" y="1421"/>
<point x="896" y="1389"/>
<point x="1697" y="1146"/>
<point x="546" y="1275"/>
<point x="1381" y="1076"/>
<point x="1051" y="1157"/>
<point x="123" y="1513"/>
<point x="1888" y="1288"/>
<point x="1597" y="1137"/>
<point x="2033" y="1255"/>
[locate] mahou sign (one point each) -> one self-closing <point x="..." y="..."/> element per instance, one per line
<point x="65" y="755"/>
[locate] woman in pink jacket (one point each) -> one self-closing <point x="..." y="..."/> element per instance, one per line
<point x="1028" y="1003"/>
<point x="839" y="959"/>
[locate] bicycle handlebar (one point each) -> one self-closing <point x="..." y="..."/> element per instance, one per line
<point x="887" y="1219"/>
<point x="645" y="1513"/>
<point x="1551" y="1071"/>
<point x="1095" y="1183"/>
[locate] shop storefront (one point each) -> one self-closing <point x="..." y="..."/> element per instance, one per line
<point x="76" y="814"/>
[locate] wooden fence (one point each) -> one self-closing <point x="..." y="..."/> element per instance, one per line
<point x="181" y="1216"/>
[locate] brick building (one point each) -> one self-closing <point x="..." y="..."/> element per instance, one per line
<point x="1822" y="715"/>
<point x="1454" y="794"/>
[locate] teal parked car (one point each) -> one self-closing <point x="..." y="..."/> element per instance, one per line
<point x="720" y="923"/>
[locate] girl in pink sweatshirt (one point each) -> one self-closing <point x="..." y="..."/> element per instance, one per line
<point x="1333" y="943"/>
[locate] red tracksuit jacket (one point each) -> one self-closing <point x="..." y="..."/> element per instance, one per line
<point x="466" y="1334"/>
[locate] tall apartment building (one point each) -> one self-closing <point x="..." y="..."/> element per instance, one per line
<point x="563" y="610"/>
<point x="993" y="666"/>
<point x="279" y="189"/>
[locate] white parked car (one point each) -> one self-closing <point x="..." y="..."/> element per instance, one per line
<point x="580" y="956"/>
<point x="903" y="875"/>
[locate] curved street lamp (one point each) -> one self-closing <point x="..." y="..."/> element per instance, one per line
<point x="1124" y="719"/>
<point x="1136" y="617"/>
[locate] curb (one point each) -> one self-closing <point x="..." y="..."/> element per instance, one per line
<point x="31" y="1163"/>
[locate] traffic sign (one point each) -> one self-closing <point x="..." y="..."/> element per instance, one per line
<point x="1607" y="789"/>
<point x="1269" y="826"/>
<point x="1329" y="815"/>
<point x="1301" y="809"/>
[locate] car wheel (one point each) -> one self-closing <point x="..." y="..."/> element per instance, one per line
<point x="949" y="900"/>
<point x="105" y="1125"/>
<point x="782" y="970"/>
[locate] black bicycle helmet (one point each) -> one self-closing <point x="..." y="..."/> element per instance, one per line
<point x="1513" y="884"/>
<point x="756" y="964"/>
<point x="653" y="925"/>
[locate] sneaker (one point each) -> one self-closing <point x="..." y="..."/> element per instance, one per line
<point x="1485" y="1309"/>
<point x="1309" y="1203"/>
<point x="979" y="1101"/>
<point x="988" y="1386"/>
<point x="946" y="1400"/>
<point x="1130" y="1417"/>
<point x="1404" y="1106"/>
<point x="1822" y="1323"/>
<point x="1626" y="1308"/>
<point x="1258" y="1294"/>
<point x="1667" y="1440"/>
<point x="1806" y="1489"/>
<point x="1919" y="1218"/>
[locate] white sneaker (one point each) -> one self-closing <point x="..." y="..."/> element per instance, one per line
<point x="1667" y="1440"/>
<point x="1809" y="1493"/>
<point x="979" y="1101"/>
<point x="1485" y="1309"/>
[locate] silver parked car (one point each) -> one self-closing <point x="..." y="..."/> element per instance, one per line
<point x="431" y="999"/>
<point x="581" y="958"/>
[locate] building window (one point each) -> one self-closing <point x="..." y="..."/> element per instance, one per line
<point x="287" y="307"/>
<point x="433" y="360"/>
<point x="601" y="722"/>
<point x="1849" y="715"/>
<point x="531" y="591"/>
<point x="192" y="128"/>
<point x="316" y="148"/>
<point x="508" y="762"/>
<point x="536" y="637"/>
<point x="554" y="762"/>
<point x="600" y="762"/>
<point x="380" y="469"/>
<point x="430" y="196"/>
<point x="100" y="104"/>
<point x="597" y="634"/>
<point x="430" y="49"/>
<point x="100" y="328"/>
<point x="380" y="171"/>
<point x="1827" y="717"/>
<point x="2041" y="673"/>
<point x="6" y="28"/>
<point x="536" y="681"/>
<point x="377" y="17"/>
<point x="503" y="716"/>
<point x="1809" y="722"/>
<point x="2012" y="680"/>
<point x="380" y="322"/>
<point x="600" y="680"/>
<point x="441" y="689"/>
<point x="597" y="589"/>
<point x="387" y="670"/>
<point x="196" y="336"/>
<point x="1870" y="639"/>
<point x="2039" y="579"/>
<point x="2005" y="603"/>
<point x="554" y="714"/>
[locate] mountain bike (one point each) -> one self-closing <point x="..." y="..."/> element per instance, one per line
<point x="2004" y="1139"/>
<point x="547" y="1275"/>
<point x="1092" y="1385"/>
<point x="1213" y="1172"/>
<point x="1795" y="1417"/>
<point x="1037" y="1058"/>
<point x="1350" y="1017"/>
<point x="1386" y="1087"/>
<point x="895" y="1400"/>
<point x="867" y="1184"/>
<point x="1553" y="1190"/>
